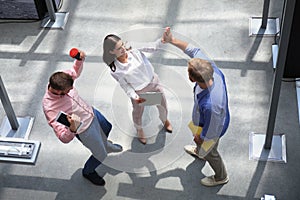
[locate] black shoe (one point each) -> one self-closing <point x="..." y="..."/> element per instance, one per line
<point x="94" y="178"/>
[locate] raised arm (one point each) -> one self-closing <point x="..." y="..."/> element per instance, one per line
<point x="188" y="49"/>
<point x="168" y="38"/>
<point x="76" y="70"/>
<point x="150" y="47"/>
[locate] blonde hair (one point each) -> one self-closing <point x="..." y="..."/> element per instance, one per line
<point x="200" y="70"/>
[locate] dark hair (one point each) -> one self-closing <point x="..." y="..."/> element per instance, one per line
<point x="60" y="81"/>
<point x="109" y="44"/>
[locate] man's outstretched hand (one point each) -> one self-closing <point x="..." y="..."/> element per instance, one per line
<point x="167" y="36"/>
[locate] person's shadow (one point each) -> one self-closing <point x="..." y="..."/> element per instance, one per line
<point x="75" y="188"/>
<point x="152" y="187"/>
<point x="136" y="159"/>
<point x="79" y="188"/>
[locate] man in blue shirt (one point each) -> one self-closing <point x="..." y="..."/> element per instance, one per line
<point x="210" y="111"/>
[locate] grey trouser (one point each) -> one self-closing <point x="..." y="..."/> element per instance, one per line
<point x="95" y="140"/>
<point x="215" y="161"/>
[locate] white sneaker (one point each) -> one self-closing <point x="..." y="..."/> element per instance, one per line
<point x="210" y="181"/>
<point x="192" y="149"/>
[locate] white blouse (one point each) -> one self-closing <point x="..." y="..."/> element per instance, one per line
<point x="138" y="72"/>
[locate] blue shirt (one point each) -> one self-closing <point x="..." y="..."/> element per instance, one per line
<point x="210" y="110"/>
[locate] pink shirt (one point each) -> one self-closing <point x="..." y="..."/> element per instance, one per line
<point x="69" y="103"/>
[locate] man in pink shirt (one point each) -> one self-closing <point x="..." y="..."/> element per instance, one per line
<point x="62" y="96"/>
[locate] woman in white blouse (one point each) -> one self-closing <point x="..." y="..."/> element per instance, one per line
<point x="136" y="75"/>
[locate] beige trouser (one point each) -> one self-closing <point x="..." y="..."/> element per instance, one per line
<point x="215" y="161"/>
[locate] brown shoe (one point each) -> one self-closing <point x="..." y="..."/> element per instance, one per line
<point x="168" y="126"/>
<point x="141" y="136"/>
